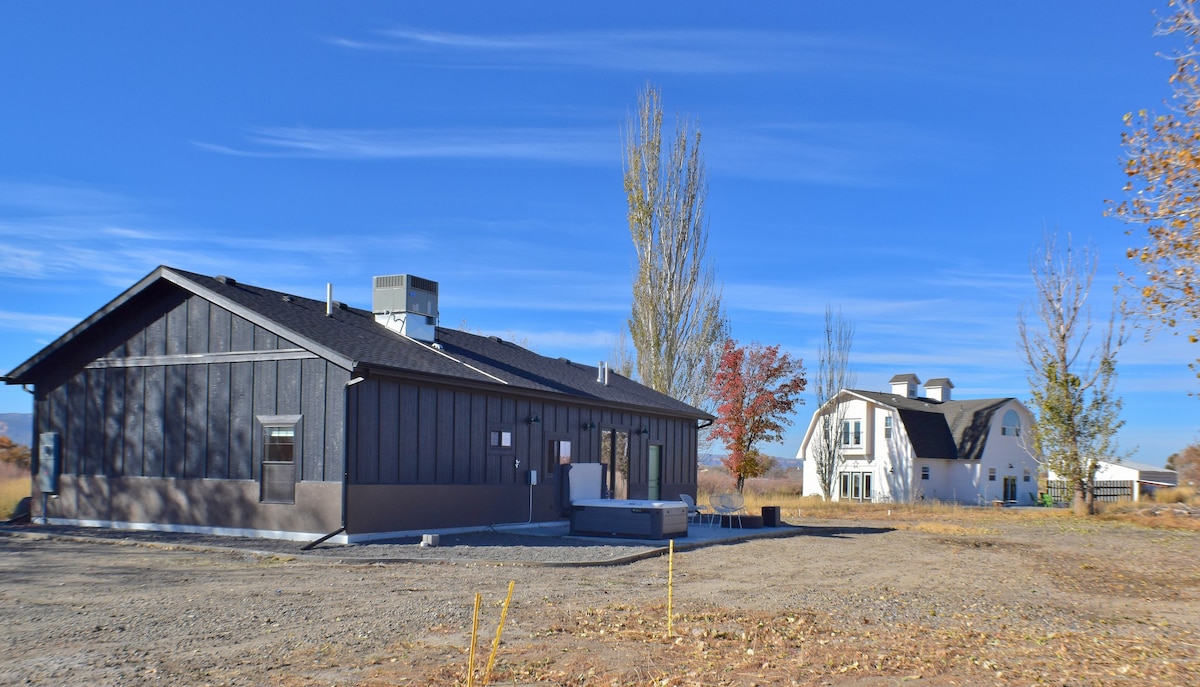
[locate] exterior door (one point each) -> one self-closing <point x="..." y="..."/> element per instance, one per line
<point x="654" y="470"/>
<point x="1010" y="488"/>
<point x="614" y="454"/>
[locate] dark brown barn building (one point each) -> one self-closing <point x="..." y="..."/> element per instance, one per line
<point x="202" y="404"/>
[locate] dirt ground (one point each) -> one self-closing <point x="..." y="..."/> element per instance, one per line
<point x="1009" y="601"/>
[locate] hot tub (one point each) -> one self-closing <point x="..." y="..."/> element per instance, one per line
<point x="632" y="519"/>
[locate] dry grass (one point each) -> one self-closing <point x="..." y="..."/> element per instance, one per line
<point x="626" y="646"/>
<point x="12" y="490"/>
<point x="1151" y="513"/>
<point x="939" y="517"/>
<point x="1185" y="495"/>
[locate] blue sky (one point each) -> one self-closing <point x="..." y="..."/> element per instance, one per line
<point x="897" y="160"/>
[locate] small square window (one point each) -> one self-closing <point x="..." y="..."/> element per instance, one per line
<point x="1026" y="476"/>
<point x="500" y="438"/>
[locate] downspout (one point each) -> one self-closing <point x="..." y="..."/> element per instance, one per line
<point x="345" y="466"/>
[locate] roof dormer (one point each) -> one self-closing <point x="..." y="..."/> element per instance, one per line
<point x="939" y="388"/>
<point x="905" y="385"/>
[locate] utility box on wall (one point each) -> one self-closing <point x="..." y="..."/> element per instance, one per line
<point x="48" y="462"/>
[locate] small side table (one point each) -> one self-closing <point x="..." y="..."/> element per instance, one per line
<point x="770" y="516"/>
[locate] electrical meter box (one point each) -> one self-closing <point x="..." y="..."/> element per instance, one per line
<point x="48" y="462"/>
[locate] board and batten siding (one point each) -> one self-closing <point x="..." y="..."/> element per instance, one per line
<point x="158" y="413"/>
<point x="141" y="409"/>
<point x="408" y="432"/>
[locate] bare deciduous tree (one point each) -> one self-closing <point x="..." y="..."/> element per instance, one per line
<point x="832" y="376"/>
<point x="1071" y="379"/>
<point x="677" y="324"/>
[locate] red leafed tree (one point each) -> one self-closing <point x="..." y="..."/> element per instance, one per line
<point x="754" y="389"/>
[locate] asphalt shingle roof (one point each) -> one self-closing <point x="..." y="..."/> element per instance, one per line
<point x="351" y="337"/>
<point x="943" y="429"/>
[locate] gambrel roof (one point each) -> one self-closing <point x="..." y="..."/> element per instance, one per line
<point x="351" y="338"/>
<point x="942" y="429"/>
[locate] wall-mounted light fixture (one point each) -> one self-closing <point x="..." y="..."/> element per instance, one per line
<point x="643" y="431"/>
<point x="534" y="419"/>
<point x="1010" y="466"/>
<point x="589" y="426"/>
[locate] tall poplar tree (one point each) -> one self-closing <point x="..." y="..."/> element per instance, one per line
<point x="677" y="325"/>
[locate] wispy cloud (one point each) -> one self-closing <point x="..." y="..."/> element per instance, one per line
<point x="679" y="51"/>
<point x="805" y="300"/>
<point x="862" y="154"/>
<point x="581" y="146"/>
<point x="38" y="324"/>
<point x="58" y="199"/>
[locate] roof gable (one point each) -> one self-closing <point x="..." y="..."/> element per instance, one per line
<point x="352" y="339"/>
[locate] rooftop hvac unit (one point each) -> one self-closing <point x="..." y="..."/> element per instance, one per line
<point x="405" y="293"/>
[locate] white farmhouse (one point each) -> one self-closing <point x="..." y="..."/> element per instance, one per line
<point x="902" y="446"/>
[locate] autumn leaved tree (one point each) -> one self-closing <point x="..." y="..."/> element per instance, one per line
<point x="833" y="375"/>
<point x="1162" y="195"/>
<point x="1071" y="376"/>
<point x="1187" y="464"/>
<point x="677" y="325"/>
<point x="14" y="454"/>
<point x="754" y="389"/>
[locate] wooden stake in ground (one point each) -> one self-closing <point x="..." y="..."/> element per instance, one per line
<point x="670" y="585"/>
<point x="487" y="674"/>
<point x="474" y="634"/>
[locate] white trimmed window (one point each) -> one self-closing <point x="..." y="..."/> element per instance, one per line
<point x="851" y="432"/>
<point x="1011" y="427"/>
<point x="887" y="427"/>
<point x="280" y="450"/>
<point x="924" y="472"/>
<point x="991" y="474"/>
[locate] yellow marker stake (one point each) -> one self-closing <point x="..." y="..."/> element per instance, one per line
<point x="474" y="632"/>
<point x="670" y="585"/>
<point x="487" y="674"/>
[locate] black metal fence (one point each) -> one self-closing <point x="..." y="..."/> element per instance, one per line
<point x="1062" y="492"/>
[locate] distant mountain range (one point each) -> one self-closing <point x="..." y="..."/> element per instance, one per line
<point x="18" y="427"/>
<point x="782" y="463"/>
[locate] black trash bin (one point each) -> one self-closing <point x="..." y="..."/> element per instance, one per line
<point x="770" y="516"/>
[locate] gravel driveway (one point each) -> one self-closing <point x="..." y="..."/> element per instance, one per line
<point x="845" y="603"/>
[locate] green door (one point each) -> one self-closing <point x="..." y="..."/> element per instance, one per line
<point x="655" y="472"/>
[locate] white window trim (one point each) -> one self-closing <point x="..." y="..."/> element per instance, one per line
<point x="845" y="434"/>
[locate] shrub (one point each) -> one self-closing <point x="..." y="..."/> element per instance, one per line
<point x="1177" y="495"/>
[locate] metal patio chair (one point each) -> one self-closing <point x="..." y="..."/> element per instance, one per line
<point x="729" y="505"/>
<point x="696" y="510"/>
